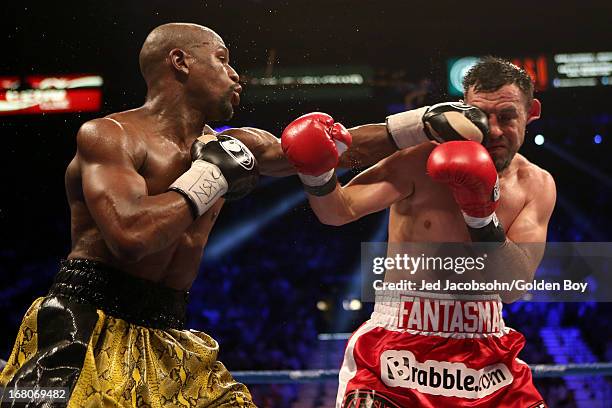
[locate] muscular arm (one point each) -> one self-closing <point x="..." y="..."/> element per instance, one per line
<point x="132" y="223"/>
<point x="522" y="252"/>
<point x="373" y="190"/>
<point x="371" y="143"/>
<point x="266" y="148"/>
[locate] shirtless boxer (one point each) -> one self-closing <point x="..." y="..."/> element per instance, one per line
<point x="444" y="193"/>
<point x="144" y="195"/>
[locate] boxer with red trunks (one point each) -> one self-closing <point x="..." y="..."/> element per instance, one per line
<point x="431" y="349"/>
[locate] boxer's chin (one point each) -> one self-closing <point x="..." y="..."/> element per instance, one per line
<point x="502" y="161"/>
<point x="226" y="111"/>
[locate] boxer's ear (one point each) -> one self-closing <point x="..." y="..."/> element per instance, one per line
<point x="534" y="111"/>
<point x="179" y="60"/>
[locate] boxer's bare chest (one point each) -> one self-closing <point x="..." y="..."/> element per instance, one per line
<point x="160" y="161"/>
<point x="163" y="163"/>
<point x="430" y="213"/>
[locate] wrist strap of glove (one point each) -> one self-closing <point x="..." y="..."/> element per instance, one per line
<point x="486" y="229"/>
<point x="319" y="185"/>
<point x="192" y="205"/>
<point x="406" y="128"/>
<point x="202" y="185"/>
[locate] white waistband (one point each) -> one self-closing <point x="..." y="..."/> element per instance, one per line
<point x="448" y="315"/>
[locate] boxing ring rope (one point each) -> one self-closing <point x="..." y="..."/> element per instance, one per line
<point x="317" y="376"/>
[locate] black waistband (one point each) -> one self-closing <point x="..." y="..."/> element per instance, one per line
<point x="121" y="295"/>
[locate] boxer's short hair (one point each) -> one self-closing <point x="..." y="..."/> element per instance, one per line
<point x="491" y="73"/>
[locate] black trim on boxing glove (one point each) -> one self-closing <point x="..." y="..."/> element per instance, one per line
<point x="324" y="189"/>
<point x="192" y="205"/>
<point x="492" y="232"/>
<point x="439" y="119"/>
<point x="238" y="165"/>
<point x="390" y="136"/>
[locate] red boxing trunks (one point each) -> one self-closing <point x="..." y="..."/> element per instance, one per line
<point x="434" y="351"/>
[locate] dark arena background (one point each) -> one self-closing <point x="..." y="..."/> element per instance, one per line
<point x="277" y="289"/>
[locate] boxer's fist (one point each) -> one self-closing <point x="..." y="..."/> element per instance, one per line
<point x="440" y="123"/>
<point x="222" y="167"/>
<point x="234" y="160"/>
<point x="455" y="121"/>
<point x="313" y="143"/>
<point x="469" y="171"/>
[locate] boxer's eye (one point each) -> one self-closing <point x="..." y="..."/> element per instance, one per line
<point x="506" y="118"/>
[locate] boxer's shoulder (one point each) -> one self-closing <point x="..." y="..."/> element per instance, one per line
<point x="531" y="173"/>
<point x="110" y="135"/>
<point x="533" y="179"/>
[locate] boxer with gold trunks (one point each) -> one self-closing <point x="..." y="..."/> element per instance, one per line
<point x="423" y="349"/>
<point x="144" y="189"/>
<point x="144" y="193"/>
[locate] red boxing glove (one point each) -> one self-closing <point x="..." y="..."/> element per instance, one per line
<point x="313" y="143"/>
<point x="470" y="173"/>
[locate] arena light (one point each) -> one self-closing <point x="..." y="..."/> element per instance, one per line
<point x="351" y="304"/>
<point x="537" y="68"/>
<point x="325" y="82"/>
<point x="577" y="70"/>
<point x="457" y="68"/>
<point x="539" y="140"/>
<point x="41" y="94"/>
<point x="322" y="305"/>
<point x="348" y="79"/>
<point x="597" y="139"/>
<point x="535" y="65"/>
<point x="586" y="69"/>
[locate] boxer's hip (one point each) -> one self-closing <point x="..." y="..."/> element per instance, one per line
<point x="436" y="350"/>
<point x="440" y="314"/>
<point x="420" y="331"/>
<point x="85" y="336"/>
<point x="118" y="294"/>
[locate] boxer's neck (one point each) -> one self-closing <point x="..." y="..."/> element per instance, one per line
<point x="176" y="117"/>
